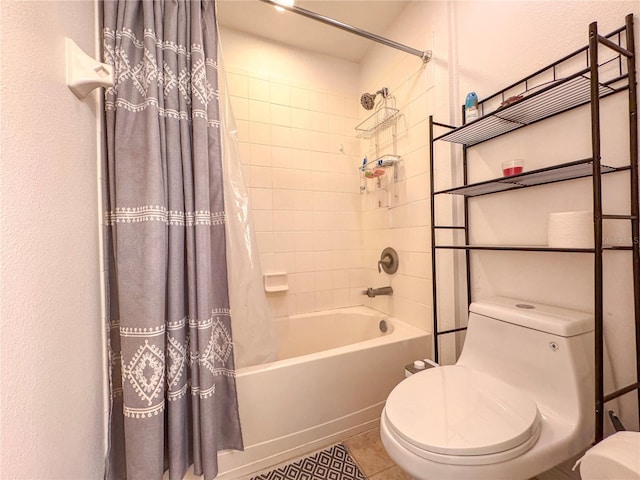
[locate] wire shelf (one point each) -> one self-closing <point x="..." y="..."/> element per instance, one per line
<point x="560" y="96"/>
<point x="515" y="248"/>
<point x="381" y="118"/>
<point x="558" y="173"/>
<point x="383" y="161"/>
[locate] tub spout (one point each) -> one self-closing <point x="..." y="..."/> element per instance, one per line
<point x="372" y="292"/>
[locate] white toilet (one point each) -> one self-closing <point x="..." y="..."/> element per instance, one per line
<point x="518" y="401"/>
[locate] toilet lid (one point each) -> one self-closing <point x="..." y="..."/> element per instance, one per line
<point x="454" y="410"/>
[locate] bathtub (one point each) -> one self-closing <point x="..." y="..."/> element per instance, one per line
<point x="332" y="377"/>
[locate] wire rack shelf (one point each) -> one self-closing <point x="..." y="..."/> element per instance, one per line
<point x="383" y="117"/>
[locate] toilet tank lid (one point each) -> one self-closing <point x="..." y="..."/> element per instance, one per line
<point x="546" y="318"/>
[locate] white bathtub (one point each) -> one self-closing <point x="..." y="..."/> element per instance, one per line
<point x="334" y="373"/>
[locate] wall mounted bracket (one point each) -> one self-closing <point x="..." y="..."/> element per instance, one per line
<point x="84" y="73"/>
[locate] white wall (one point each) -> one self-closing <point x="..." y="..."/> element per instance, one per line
<point x="484" y="46"/>
<point x="51" y="352"/>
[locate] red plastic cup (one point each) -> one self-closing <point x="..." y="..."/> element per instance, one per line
<point x="512" y="167"/>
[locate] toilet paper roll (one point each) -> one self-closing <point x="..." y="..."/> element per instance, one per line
<point x="615" y="457"/>
<point x="570" y="230"/>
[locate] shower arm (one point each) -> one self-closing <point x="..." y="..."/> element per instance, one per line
<point x="424" y="55"/>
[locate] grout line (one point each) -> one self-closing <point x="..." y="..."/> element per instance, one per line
<point x="381" y="471"/>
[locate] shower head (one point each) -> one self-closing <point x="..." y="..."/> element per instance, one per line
<point x="368" y="100"/>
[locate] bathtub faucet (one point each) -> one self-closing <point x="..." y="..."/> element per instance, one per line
<point x="372" y="292"/>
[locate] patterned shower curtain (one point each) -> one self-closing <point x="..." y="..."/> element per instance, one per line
<point x="172" y="362"/>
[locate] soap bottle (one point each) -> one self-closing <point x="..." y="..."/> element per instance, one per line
<point x="471" y="107"/>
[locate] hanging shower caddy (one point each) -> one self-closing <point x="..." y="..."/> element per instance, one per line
<point x="381" y="129"/>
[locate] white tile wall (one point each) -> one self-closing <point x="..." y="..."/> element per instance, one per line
<point x="404" y="226"/>
<point x="298" y="146"/>
<point x="296" y="127"/>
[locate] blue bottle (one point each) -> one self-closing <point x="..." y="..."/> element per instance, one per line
<point x="471" y="107"/>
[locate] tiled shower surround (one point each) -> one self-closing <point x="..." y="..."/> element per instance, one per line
<point x="298" y="152"/>
<point x="296" y="124"/>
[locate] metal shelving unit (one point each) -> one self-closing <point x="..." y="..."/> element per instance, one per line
<point x="606" y="66"/>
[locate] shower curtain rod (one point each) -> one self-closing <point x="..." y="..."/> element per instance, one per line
<point x="424" y="55"/>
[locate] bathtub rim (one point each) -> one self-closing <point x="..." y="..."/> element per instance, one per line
<point x="402" y="331"/>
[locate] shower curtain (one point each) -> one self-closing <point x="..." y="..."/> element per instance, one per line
<point x="172" y="372"/>
<point x="254" y="337"/>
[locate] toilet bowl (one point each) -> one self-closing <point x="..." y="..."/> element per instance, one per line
<point x="518" y="401"/>
<point x="615" y="458"/>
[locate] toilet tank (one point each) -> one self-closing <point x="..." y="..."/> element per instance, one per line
<point x="544" y="350"/>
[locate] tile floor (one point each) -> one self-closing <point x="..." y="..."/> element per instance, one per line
<point x="367" y="450"/>
<point x="372" y="459"/>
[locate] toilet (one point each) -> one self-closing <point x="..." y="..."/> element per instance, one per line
<point x="518" y="401"/>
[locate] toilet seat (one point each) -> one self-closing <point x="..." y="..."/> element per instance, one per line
<point x="457" y="415"/>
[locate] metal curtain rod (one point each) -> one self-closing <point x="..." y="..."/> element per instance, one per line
<point x="424" y="55"/>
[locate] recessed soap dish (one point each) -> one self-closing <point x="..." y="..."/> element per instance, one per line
<point x="276" y="282"/>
